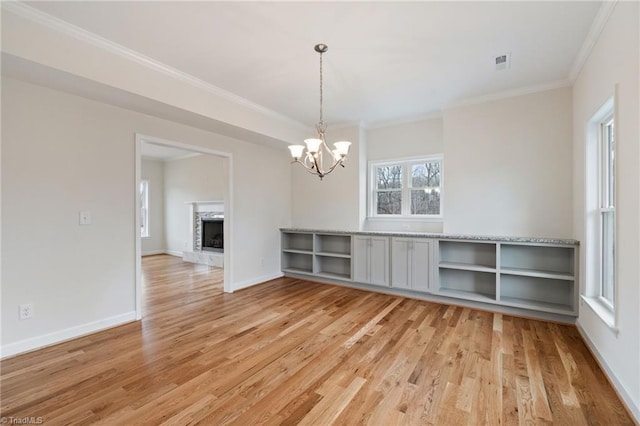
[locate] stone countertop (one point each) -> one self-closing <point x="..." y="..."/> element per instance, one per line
<point x="440" y="236"/>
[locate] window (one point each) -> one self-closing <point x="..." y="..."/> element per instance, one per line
<point x="144" y="208"/>
<point x="406" y="188"/>
<point x="600" y="215"/>
<point x="607" y="194"/>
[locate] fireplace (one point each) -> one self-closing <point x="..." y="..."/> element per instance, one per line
<point x="213" y="234"/>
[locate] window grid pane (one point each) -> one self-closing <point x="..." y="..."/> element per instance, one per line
<point x="608" y="256"/>
<point x="425" y="201"/>
<point x="425" y="175"/>
<point x="389" y="202"/>
<point x="389" y="177"/>
<point x="611" y="165"/>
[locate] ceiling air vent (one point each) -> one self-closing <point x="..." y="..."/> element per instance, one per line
<point x="503" y="62"/>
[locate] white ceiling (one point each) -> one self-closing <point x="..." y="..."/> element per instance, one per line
<point x="386" y="60"/>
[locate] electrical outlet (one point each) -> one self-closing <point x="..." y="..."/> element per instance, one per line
<point x="85" y="218"/>
<point x="25" y="311"/>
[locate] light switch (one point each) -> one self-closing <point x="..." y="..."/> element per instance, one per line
<point x="85" y="218"/>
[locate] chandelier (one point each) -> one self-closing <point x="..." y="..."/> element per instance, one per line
<point x="316" y="148"/>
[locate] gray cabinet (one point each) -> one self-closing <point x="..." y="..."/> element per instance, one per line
<point x="410" y="263"/>
<point x="371" y="259"/>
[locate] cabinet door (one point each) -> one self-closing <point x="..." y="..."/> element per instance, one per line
<point x="379" y="261"/>
<point x="360" y="259"/>
<point x="420" y="261"/>
<point x="401" y="262"/>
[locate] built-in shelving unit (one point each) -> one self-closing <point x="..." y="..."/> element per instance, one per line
<point x="322" y="254"/>
<point x="523" y="275"/>
<point x="528" y="276"/>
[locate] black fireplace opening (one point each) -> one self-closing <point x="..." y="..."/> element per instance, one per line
<point x="213" y="235"/>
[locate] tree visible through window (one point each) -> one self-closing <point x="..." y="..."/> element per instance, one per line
<point x="389" y="189"/>
<point x="425" y="188"/>
<point x="407" y="187"/>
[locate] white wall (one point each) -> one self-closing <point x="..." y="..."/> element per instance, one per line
<point x="510" y="159"/>
<point x="153" y="171"/>
<point x="333" y="203"/>
<point x="508" y="166"/>
<point x="199" y="178"/>
<point x="411" y="139"/>
<point x="614" y="60"/>
<point x="63" y="154"/>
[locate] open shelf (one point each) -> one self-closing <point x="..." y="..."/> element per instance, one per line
<point x="467" y="295"/>
<point x="296" y="271"/>
<point x="327" y="244"/>
<point x="468" y="284"/>
<point x="555" y="308"/>
<point x="297" y="262"/>
<point x="551" y="295"/>
<point x="297" y="241"/>
<point x="536" y="273"/>
<point x="526" y="259"/>
<point x="338" y="267"/>
<point x="323" y="253"/>
<point x="297" y="251"/>
<point x="319" y="254"/>
<point x="466" y="267"/>
<point x="468" y="253"/>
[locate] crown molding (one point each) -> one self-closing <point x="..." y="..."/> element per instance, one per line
<point x="407" y="120"/>
<point x="39" y="17"/>
<point x="606" y="8"/>
<point x="509" y="94"/>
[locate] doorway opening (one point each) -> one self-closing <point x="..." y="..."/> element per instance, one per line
<point x="183" y="208"/>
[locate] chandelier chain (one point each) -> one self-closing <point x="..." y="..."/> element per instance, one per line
<point x="321" y="118"/>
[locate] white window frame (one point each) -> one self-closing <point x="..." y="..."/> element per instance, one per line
<point x="144" y="208"/>
<point x="606" y="208"/>
<point x="596" y="177"/>
<point x="406" y="188"/>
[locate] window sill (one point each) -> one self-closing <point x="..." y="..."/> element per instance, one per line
<point x="405" y="219"/>
<point x="602" y="311"/>
<point x="145" y="237"/>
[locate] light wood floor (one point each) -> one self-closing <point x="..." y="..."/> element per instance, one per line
<point x="295" y="352"/>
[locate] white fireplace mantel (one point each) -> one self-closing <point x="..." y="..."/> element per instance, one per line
<point x="206" y="206"/>
<point x="200" y="207"/>
<point x="192" y="255"/>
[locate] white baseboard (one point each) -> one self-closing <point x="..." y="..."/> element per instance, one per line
<point x="631" y="405"/>
<point x="153" y="252"/>
<point x="60" y="336"/>
<point x="173" y="253"/>
<point x="255" y="281"/>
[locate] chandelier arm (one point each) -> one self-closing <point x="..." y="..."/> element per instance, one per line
<point x="336" y="164"/>
<point x="310" y="171"/>
<point x="315" y="162"/>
